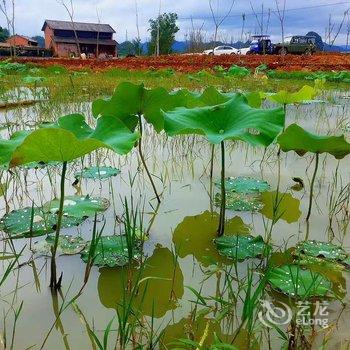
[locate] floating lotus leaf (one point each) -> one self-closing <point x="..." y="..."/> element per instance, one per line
<point x="195" y="236"/>
<point x="284" y="97"/>
<point x="327" y="251"/>
<point x="243" y="184"/>
<point x="240" y="201"/>
<point x="78" y="206"/>
<point x="100" y="173"/>
<point x="71" y="138"/>
<point x="298" y="282"/>
<point x="280" y="206"/>
<point x="241" y="247"/>
<point x="67" y="245"/>
<point x="111" y="251"/>
<point x="18" y="223"/>
<point x="233" y="120"/>
<point x="295" y="138"/>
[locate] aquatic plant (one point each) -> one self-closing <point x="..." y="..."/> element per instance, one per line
<point x="233" y="120"/>
<point x="295" y="138"/>
<point x="67" y="139"/>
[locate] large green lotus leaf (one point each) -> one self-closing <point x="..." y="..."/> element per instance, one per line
<point x="209" y="97"/>
<point x="78" y="206"/>
<point x="241" y="247"/>
<point x="295" y="138"/>
<point x="298" y="282"/>
<point x="67" y="245"/>
<point x="280" y="206"/>
<point x="316" y="249"/>
<point x="19" y="223"/>
<point x="130" y="100"/>
<point x="95" y="172"/>
<point x="72" y="139"/>
<point x="111" y="251"/>
<point x="240" y="201"/>
<point x="244" y="184"/>
<point x="7" y="147"/>
<point x="159" y="292"/>
<point x="284" y="97"/>
<point x="195" y="236"/>
<point x="234" y="120"/>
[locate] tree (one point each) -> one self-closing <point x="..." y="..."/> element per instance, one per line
<point x="281" y="11"/>
<point x="4" y="34"/>
<point x="163" y="28"/>
<point x="70" y="11"/>
<point x="40" y="39"/>
<point x="219" y="20"/>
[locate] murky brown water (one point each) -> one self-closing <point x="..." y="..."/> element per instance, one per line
<point x="183" y="223"/>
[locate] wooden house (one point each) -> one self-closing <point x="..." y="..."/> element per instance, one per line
<point x="63" y="38"/>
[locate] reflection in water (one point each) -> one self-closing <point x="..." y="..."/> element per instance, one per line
<point x="208" y="332"/>
<point x="280" y="206"/>
<point x="160" y="284"/>
<point x="195" y="235"/>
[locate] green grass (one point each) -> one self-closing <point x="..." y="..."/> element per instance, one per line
<point x="69" y="86"/>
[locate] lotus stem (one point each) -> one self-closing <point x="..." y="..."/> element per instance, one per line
<point x="54" y="284"/>
<point x="212" y="163"/>
<point x="312" y="187"/>
<point x="144" y="162"/>
<point x="221" y="229"/>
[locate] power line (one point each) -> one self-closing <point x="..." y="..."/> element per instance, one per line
<point x="273" y="11"/>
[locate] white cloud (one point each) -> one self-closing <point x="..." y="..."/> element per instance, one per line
<point x="30" y="15"/>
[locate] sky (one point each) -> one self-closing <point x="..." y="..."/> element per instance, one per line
<point x="120" y="14"/>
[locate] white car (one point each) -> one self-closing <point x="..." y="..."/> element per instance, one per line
<point x="221" y="50"/>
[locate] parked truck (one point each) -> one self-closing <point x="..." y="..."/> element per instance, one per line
<point x="297" y="45"/>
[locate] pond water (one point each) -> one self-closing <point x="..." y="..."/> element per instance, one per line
<point x="179" y="252"/>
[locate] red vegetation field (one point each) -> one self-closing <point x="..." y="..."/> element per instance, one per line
<point x="193" y="63"/>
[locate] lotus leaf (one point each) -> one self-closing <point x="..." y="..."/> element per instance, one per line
<point x="7" y="147"/>
<point x="72" y="138"/>
<point x="20" y="223"/>
<point x="295" y="138"/>
<point x="240" y="201"/>
<point x="285" y="98"/>
<point x="233" y="120"/>
<point x="101" y="173"/>
<point x="241" y="247"/>
<point x="130" y="100"/>
<point x="327" y="251"/>
<point x="78" y="206"/>
<point x="67" y="245"/>
<point x="238" y="71"/>
<point x="298" y="282"/>
<point x="243" y="184"/>
<point x="111" y="251"/>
